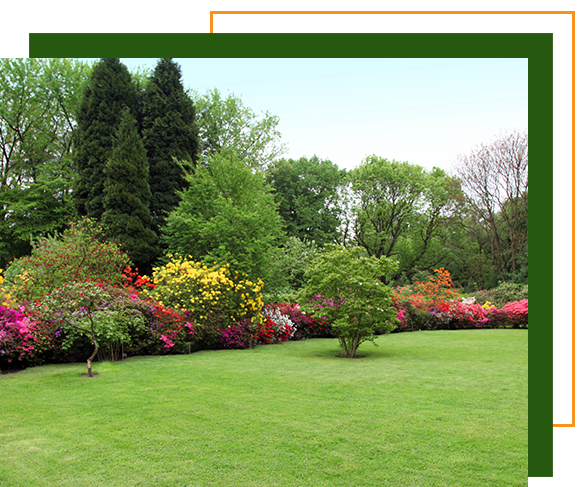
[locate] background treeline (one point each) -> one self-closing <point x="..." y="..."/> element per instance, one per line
<point x="166" y="169"/>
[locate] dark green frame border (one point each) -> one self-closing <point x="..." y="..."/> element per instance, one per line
<point x="536" y="47"/>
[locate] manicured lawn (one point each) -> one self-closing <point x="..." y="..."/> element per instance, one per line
<point x="445" y="408"/>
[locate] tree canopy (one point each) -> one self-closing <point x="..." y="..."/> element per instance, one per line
<point x="307" y="194"/>
<point x="226" y="214"/>
<point x="228" y="125"/>
<point x="127" y="196"/>
<point x="38" y="102"/>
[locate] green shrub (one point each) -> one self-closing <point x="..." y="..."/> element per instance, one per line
<point x="506" y="292"/>
<point x="345" y="288"/>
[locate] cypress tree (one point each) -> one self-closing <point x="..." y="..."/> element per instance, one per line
<point x="169" y="133"/>
<point x="127" y="194"/>
<point x="109" y="91"/>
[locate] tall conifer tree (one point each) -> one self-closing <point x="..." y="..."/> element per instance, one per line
<point x="169" y="133"/>
<point x="109" y="91"/>
<point x="127" y="194"/>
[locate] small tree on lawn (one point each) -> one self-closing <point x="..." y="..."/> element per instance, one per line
<point x="84" y="308"/>
<point x="345" y="289"/>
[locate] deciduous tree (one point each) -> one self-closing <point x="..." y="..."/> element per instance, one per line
<point x="307" y="194"/>
<point x="38" y="100"/>
<point x="345" y="288"/>
<point x="495" y="179"/>
<point x="227" y="214"/>
<point x="226" y="124"/>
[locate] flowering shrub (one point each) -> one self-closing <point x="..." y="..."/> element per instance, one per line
<point x="4" y="295"/>
<point x="16" y="334"/>
<point x="238" y="335"/>
<point x="306" y="325"/>
<point x="285" y="327"/>
<point x="430" y="295"/>
<point x="468" y="315"/>
<point x="517" y="313"/>
<point x="82" y="252"/>
<point x="506" y="292"/>
<point x="436" y="305"/>
<point x="212" y="297"/>
<point x="265" y="332"/>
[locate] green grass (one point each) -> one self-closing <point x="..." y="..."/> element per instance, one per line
<point x="444" y="408"/>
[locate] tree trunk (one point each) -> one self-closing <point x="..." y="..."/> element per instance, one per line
<point x="89" y="371"/>
<point x="355" y="345"/>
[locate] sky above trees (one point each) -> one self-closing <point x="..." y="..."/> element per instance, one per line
<point x="423" y="111"/>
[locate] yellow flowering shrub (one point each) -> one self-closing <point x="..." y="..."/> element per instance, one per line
<point x="4" y="295"/>
<point x="213" y="297"/>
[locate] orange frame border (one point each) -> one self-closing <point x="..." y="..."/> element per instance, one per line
<point x="562" y="26"/>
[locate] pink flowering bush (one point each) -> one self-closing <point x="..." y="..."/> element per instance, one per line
<point x="517" y="313"/>
<point x="16" y="334"/>
<point x="238" y="335"/>
<point x="468" y="315"/>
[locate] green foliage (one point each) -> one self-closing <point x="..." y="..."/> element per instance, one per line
<point x="227" y="125"/>
<point x="38" y="100"/>
<point x="170" y="135"/>
<point x="227" y="214"/>
<point x="307" y="194"/>
<point x="403" y="211"/>
<point x="127" y="194"/>
<point x="82" y="252"/>
<point x="345" y="287"/>
<point x="506" y="292"/>
<point x="289" y="264"/>
<point x="108" y="93"/>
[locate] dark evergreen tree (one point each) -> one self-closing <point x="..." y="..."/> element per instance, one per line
<point x="127" y="194"/>
<point x="109" y="91"/>
<point x="170" y="135"/>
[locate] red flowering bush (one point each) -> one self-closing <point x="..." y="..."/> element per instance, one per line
<point x="270" y="331"/>
<point x="306" y="326"/>
<point x="82" y="252"/>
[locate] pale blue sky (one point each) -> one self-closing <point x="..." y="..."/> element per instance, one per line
<point x="423" y="111"/>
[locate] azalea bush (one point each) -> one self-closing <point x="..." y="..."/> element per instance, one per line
<point x="460" y="314"/>
<point x="240" y="334"/>
<point x="517" y="313"/>
<point x="17" y="338"/>
<point x="212" y="297"/>
<point x="82" y="252"/>
<point x="275" y="327"/>
<point x="305" y="324"/>
<point x="4" y="294"/>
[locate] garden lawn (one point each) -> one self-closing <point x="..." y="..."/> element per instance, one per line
<point x="441" y="408"/>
